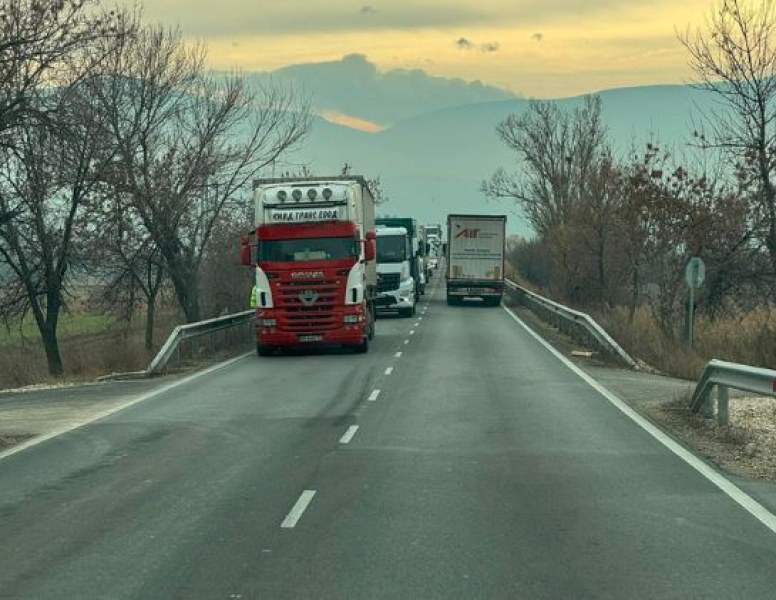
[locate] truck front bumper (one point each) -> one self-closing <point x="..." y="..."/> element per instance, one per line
<point x="344" y="335"/>
<point x="394" y="301"/>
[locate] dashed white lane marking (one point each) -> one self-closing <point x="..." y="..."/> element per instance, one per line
<point x="373" y="396"/>
<point x="389" y="370"/>
<point x="412" y="332"/>
<point x="298" y="509"/>
<point x="398" y="355"/>
<point x="345" y="439"/>
<point x="418" y="323"/>
<point x="406" y="342"/>
<point x="744" y="500"/>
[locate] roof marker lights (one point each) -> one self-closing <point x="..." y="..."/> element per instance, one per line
<point x="327" y="193"/>
<point x="297" y="194"/>
<point x="312" y="193"/>
<point x="282" y="195"/>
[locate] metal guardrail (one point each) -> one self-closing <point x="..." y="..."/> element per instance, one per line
<point x="195" y="330"/>
<point x="190" y="334"/>
<point x="578" y="325"/>
<point x="725" y="375"/>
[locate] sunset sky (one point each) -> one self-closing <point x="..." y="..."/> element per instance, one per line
<point x="549" y="48"/>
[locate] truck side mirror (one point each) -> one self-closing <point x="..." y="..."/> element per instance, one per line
<point x="245" y="252"/>
<point x="369" y="246"/>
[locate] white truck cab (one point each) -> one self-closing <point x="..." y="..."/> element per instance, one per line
<point x="395" y="284"/>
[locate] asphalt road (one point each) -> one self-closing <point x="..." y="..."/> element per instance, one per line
<point x="483" y="468"/>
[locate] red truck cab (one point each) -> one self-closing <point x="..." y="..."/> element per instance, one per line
<point x="314" y="263"/>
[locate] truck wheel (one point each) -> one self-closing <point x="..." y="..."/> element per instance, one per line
<point x="407" y="312"/>
<point x="264" y="349"/>
<point x="363" y="347"/>
<point x="373" y="314"/>
<point x="452" y="300"/>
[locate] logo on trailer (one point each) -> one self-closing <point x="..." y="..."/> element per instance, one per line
<point x="307" y="275"/>
<point x="469" y="233"/>
<point x="308" y="297"/>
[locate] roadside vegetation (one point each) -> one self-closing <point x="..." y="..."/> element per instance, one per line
<point x="614" y="233"/>
<point x="125" y="172"/>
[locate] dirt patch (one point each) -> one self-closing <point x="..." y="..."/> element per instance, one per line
<point x="747" y="447"/>
<point x="6" y="441"/>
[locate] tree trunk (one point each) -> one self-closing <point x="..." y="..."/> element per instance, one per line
<point x="150" y="323"/>
<point x="634" y="299"/>
<point x="53" y="357"/>
<point x="48" y="334"/>
<point x="185" y="280"/>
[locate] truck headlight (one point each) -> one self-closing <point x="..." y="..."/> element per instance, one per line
<point x="352" y="319"/>
<point x="268" y="323"/>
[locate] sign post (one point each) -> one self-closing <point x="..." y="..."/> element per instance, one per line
<point x="694" y="274"/>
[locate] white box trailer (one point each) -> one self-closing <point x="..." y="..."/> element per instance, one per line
<point x="475" y="257"/>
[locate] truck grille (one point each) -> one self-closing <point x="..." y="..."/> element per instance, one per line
<point x="388" y="282"/>
<point x="308" y="305"/>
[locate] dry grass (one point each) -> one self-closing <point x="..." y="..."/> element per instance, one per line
<point x="747" y="338"/>
<point x="85" y="356"/>
<point x="642" y="338"/>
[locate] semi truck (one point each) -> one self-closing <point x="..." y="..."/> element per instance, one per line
<point x="314" y="261"/>
<point x="475" y="258"/>
<point x="417" y="264"/>
<point x="395" y="282"/>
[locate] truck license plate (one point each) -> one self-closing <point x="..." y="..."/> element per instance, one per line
<point x="310" y="338"/>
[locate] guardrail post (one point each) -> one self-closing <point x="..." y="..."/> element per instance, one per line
<point x="723" y="398"/>
<point x="707" y="408"/>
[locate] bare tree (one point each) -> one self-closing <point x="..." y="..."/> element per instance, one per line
<point x="129" y="262"/>
<point x="734" y="58"/>
<point x="557" y="150"/>
<point x="40" y="41"/>
<point x="46" y="178"/>
<point x="187" y="143"/>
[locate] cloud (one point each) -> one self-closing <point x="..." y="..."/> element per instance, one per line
<point x="368" y="10"/>
<point x="333" y="116"/>
<point x="464" y="44"/>
<point x="537" y="37"/>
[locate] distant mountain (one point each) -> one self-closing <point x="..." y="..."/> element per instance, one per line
<point x="432" y="164"/>
<point x="353" y="87"/>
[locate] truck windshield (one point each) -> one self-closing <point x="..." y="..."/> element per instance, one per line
<point x="391" y="248"/>
<point x="308" y="249"/>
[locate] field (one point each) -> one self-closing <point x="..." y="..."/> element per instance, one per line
<point x="91" y="344"/>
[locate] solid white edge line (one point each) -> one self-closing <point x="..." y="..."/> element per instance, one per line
<point x="373" y="396"/>
<point x="348" y="435"/>
<point x="398" y="355"/>
<point x="34" y="441"/>
<point x="296" y="512"/>
<point x="389" y="370"/>
<point x="744" y="500"/>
